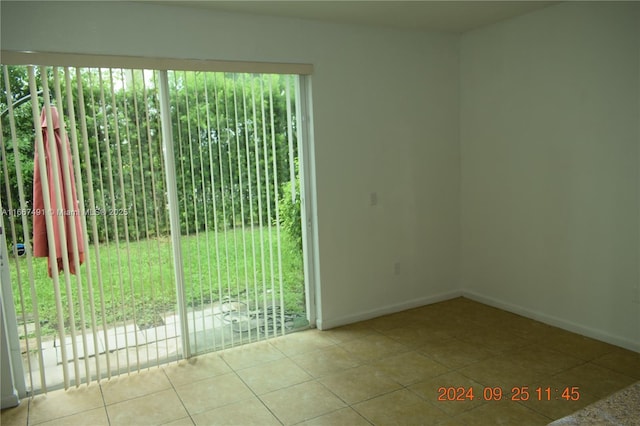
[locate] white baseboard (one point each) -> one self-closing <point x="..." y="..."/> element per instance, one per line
<point x="385" y="310"/>
<point x="554" y="321"/>
<point x="497" y="303"/>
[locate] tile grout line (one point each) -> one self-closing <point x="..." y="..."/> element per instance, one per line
<point x="312" y="379"/>
<point x="258" y="398"/>
<point x="531" y="344"/>
<point x="28" y="399"/>
<point x="457" y="370"/>
<point x="235" y="371"/>
<point x="29" y="409"/>
<point x="370" y="364"/>
<point x="104" y="403"/>
<point x="177" y="395"/>
<point x="361" y="362"/>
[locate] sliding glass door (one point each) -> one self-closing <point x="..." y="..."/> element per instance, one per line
<point x="175" y="211"/>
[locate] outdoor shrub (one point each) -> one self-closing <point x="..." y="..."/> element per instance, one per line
<point x="290" y="213"/>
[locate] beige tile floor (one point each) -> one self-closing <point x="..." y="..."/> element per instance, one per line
<point x="383" y="371"/>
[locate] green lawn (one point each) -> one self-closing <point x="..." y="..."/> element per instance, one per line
<point x="138" y="278"/>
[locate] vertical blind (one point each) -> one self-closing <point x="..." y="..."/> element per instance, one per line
<point x="235" y="154"/>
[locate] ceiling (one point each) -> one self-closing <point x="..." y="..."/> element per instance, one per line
<point x="448" y="16"/>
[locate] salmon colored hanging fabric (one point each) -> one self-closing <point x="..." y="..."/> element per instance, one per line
<point x="70" y="213"/>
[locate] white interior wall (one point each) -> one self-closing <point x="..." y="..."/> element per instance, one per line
<point x="385" y="118"/>
<point x="549" y="161"/>
<point x="544" y="199"/>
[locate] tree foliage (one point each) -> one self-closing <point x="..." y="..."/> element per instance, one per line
<point x="230" y="149"/>
<point x="290" y="209"/>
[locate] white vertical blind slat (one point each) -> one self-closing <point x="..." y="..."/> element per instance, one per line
<point x="47" y="206"/>
<point x="276" y="197"/>
<point x="155" y="207"/>
<point x="57" y="164"/>
<point x="250" y="272"/>
<point x="216" y="223"/>
<point x="229" y="145"/>
<point x="228" y="180"/>
<point x="167" y="171"/>
<point x="172" y="204"/>
<point x="208" y="192"/>
<point x="126" y="208"/>
<point x="292" y="170"/>
<point x="26" y="239"/>
<point x="214" y="290"/>
<point x="265" y="154"/>
<point x="68" y="162"/>
<point x="238" y="133"/>
<point x="200" y="190"/>
<point x="226" y="227"/>
<point x="111" y="207"/>
<point x="94" y="221"/>
<point x="92" y="208"/>
<point x="187" y="266"/>
<point x="256" y="152"/>
<point x="120" y="212"/>
<point x="147" y="233"/>
<point x="13" y="235"/>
